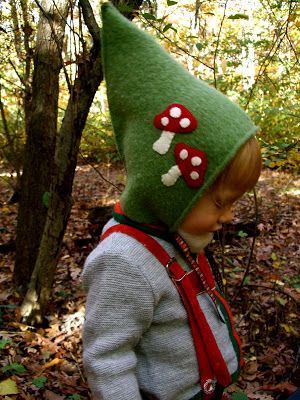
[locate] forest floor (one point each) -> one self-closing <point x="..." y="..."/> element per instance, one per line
<point x="46" y="362"/>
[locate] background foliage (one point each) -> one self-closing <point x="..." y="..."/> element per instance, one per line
<point x="247" y="49"/>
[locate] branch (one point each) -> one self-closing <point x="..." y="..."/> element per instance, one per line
<point x="261" y="71"/>
<point x="59" y="49"/>
<point x="178" y="47"/>
<point x="272" y="83"/>
<point x="16" y="30"/>
<point x="276" y="289"/>
<point x="217" y="46"/>
<point x="18" y="75"/>
<point x="293" y="48"/>
<point x="266" y="62"/>
<point x="90" y="20"/>
<point x="67" y="23"/>
<point x="99" y="173"/>
<point x="27" y="29"/>
<point x="12" y="84"/>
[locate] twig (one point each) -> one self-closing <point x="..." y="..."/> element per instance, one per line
<point x="288" y="184"/>
<point x="78" y="367"/>
<point x="14" y="84"/>
<point x="99" y="173"/>
<point x="245" y="315"/>
<point x="251" y="250"/>
<point x="276" y="289"/>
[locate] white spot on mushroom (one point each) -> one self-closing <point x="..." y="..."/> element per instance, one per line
<point x="196" y="161"/>
<point x="183" y="154"/>
<point x="165" y="121"/>
<point x="194" y="175"/>
<point x="175" y="112"/>
<point x="184" y="122"/>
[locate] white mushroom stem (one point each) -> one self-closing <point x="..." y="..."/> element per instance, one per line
<point x="171" y="176"/>
<point x="162" y="145"/>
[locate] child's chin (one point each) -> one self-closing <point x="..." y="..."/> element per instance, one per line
<point x="196" y="243"/>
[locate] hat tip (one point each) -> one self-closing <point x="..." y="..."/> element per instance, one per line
<point x="105" y="5"/>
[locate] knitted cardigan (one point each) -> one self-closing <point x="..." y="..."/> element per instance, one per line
<point x="136" y="333"/>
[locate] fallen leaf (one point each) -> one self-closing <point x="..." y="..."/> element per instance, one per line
<point x="251" y="367"/>
<point x="8" y="387"/>
<point x="49" y="395"/>
<point x="260" y="396"/>
<point x="285" y="387"/>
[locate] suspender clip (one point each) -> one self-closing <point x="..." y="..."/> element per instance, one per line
<point x="169" y="263"/>
<point x="176" y="275"/>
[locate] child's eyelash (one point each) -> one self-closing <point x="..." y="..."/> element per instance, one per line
<point x="218" y="204"/>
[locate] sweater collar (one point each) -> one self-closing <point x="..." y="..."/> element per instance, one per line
<point x="159" y="231"/>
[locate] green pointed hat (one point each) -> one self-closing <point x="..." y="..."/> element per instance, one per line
<point x="175" y="133"/>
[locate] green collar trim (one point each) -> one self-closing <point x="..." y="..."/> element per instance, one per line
<point x="157" y="231"/>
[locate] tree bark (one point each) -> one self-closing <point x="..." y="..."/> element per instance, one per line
<point x="89" y="78"/>
<point x="41" y="130"/>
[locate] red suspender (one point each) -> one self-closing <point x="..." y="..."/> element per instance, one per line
<point x="212" y="367"/>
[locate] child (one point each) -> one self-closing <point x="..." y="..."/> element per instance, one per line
<point x="157" y="325"/>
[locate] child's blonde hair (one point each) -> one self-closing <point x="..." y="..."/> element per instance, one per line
<point x="243" y="171"/>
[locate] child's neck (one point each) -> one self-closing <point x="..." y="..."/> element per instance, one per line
<point x="196" y="243"/>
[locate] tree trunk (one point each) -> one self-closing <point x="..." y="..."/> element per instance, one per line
<point x="41" y="130"/>
<point x="89" y="77"/>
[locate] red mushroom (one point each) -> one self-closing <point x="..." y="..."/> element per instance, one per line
<point x="191" y="163"/>
<point x="175" y="119"/>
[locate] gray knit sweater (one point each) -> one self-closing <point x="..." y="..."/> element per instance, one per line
<point x="136" y="333"/>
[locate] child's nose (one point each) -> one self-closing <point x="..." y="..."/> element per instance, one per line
<point x="226" y="217"/>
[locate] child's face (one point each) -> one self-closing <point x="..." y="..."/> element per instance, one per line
<point x="211" y="212"/>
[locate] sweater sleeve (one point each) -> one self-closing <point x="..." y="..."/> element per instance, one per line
<point x="119" y="308"/>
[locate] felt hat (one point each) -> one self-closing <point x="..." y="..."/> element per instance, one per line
<point x="175" y="133"/>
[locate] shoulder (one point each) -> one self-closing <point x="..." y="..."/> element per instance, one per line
<point x="120" y="254"/>
<point x="119" y="244"/>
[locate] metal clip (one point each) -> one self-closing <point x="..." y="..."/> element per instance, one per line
<point x="209" y="386"/>
<point x="169" y="263"/>
<point x="171" y="275"/>
<point x="172" y="259"/>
